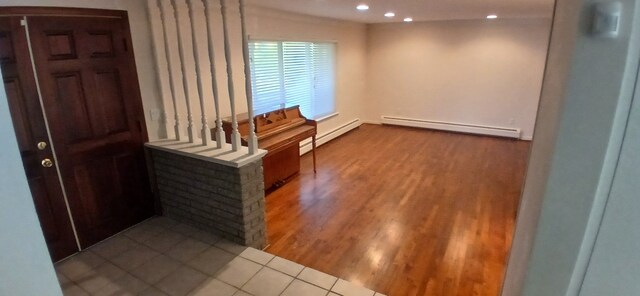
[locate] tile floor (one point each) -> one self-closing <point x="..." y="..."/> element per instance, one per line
<point x="163" y="257"/>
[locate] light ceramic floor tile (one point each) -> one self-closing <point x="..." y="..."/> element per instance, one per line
<point x="155" y="269"/>
<point x="298" y="288"/>
<point x="349" y="289"/>
<point x="238" y="272"/>
<point x="125" y="285"/>
<point x="187" y="249"/>
<point x="206" y="237"/>
<point x="256" y="255"/>
<point x="98" y="278"/>
<point x="185" y="229"/>
<point x="164" y="241"/>
<point x="162" y="221"/>
<point x="286" y="266"/>
<point x="68" y="285"/>
<point x="267" y="282"/>
<point x="230" y="247"/>
<point x="213" y="287"/>
<point x="134" y="257"/>
<point x="62" y="279"/>
<point x="181" y="281"/>
<point x="152" y="291"/>
<point x="143" y="232"/>
<point x="211" y="261"/>
<point x="114" y="246"/>
<point x="89" y="272"/>
<point x="74" y="290"/>
<point x="317" y="278"/>
<point x="74" y="267"/>
<point x="379" y="294"/>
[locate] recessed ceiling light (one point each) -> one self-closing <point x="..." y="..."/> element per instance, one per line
<point x="492" y="16"/>
<point x="389" y="14"/>
<point x="408" y="19"/>
<point x="362" y="7"/>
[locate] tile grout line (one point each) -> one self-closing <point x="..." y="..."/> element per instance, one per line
<point x="138" y="243"/>
<point x="308" y="282"/>
<point x="334" y="284"/>
<point x="265" y="266"/>
<point x="182" y="264"/>
<point x="250" y="277"/>
<point x="294" y="277"/>
<point x="143" y="243"/>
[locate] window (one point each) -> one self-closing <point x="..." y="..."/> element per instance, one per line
<point x="286" y="74"/>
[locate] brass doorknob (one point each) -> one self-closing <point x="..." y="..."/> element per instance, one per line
<point x="42" y="145"/>
<point x="47" y="163"/>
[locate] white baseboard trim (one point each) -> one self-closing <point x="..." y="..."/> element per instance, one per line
<point x="371" y="122"/>
<point x="305" y="146"/>
<point x="453" y="127"/>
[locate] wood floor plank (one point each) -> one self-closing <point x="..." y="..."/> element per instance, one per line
<point x="403" y="211"/>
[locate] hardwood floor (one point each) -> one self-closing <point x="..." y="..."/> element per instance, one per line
<point x="403" y="211"/>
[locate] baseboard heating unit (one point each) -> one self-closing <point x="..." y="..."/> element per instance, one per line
<point x="305" y="146"/>
<point x="453" y="127"/>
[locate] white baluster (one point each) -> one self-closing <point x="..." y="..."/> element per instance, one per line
<point x="152" y="7"/>
<point x="172" y="82"/>
<point x="235" y="135"/>
<point x="220" y="137"/>
<point x="253" y="139"/>
<point x="185" y="81"/>
<point x="205" y="133"/>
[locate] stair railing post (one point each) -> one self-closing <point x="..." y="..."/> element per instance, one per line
<point x="235" y="135"/>
<point x="220" y="137"/>
<point x="172" y="82"/>
<point x="206" y="132"/>
<point x="185" y="82"/>
<point x="253" y="139"/>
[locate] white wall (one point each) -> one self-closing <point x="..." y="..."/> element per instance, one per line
<point x="481" y="72"/>
<point x="614" y="265"/>
<point x="25" y="265"/>
<point x="261" y="24"/>
<point x="584" y="105"/>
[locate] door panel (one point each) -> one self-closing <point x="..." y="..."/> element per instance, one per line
<point x="111" y="102"/>
<point x="77" y="125"/>
<point x="90" y="92"/>
<point x="29" y="125"/>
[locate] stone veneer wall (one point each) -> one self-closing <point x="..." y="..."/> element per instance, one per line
<point x="223" y="200"/>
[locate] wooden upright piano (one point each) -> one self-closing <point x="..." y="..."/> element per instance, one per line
<point x="280" y="133"/>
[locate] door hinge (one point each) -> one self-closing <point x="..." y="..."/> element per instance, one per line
<point x="23" y="22"/>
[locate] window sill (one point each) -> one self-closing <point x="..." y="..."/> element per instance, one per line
<point x="327" y="117"/>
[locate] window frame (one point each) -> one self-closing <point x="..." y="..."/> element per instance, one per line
<point x="334" y="64"/>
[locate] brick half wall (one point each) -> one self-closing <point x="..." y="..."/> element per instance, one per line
<point x="223" y="200"/>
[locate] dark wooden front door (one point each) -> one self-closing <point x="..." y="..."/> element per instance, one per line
<point x="91" y="99"/>
<point x="30" y="129"/>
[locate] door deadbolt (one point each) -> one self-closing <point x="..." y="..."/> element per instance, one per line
<point x="47" y="163"/>
<point x="42" y="145"/>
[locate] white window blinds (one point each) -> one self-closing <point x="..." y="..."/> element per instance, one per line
<point x="286" y="74"/>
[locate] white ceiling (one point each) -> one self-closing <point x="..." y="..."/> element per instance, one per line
<point x="419" y="10"/>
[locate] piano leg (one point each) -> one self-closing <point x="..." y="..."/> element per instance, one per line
<point x="313" y="150"/>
